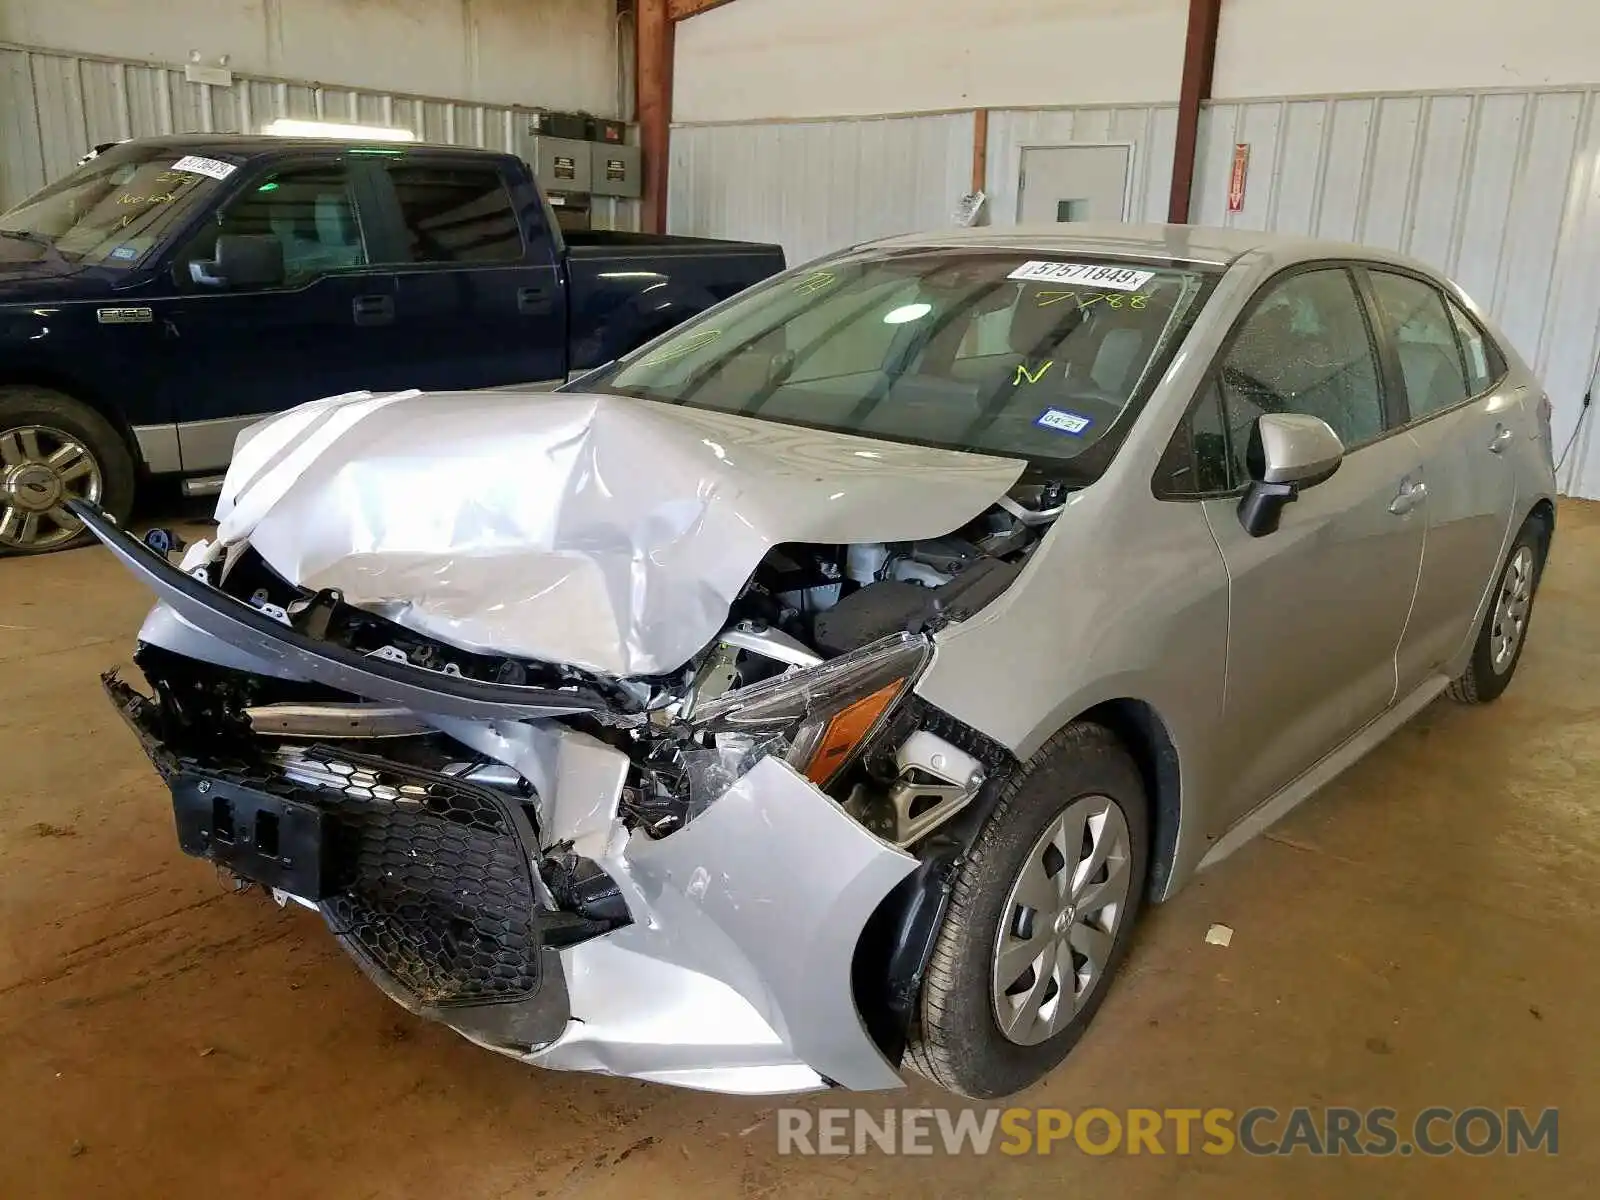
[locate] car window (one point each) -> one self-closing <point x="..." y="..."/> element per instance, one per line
<point x="1304" y="348"/>
<point x="995" y="351"/>
<point x="310" y="210"/>
<point x="456" y="214"/>
<point x="1425" y="339"/>
<point x="1485" y="364"/>
<point x="114" y="210"/>
<point x="1197" y="460"/>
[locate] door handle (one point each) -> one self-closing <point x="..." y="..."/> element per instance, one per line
<point x="533" y="301"/>
<point x="1501" y="439"/>
<point x="1409" y="497"/>
<point x="373" y="310"/>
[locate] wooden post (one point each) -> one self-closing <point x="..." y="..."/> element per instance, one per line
<point x="1199" y="62"/>
<point x="653" y="44"/>
<point x="980" y="148"/>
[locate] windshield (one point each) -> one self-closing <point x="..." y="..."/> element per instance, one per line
<point x="1013" y="353"/>
<point x="113" y="210"/>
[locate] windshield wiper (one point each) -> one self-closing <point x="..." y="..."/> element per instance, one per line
<point x="38" y="239"/>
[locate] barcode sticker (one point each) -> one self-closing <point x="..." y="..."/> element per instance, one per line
<point x="196" y="165"/>
<point x="1117" y="279"/>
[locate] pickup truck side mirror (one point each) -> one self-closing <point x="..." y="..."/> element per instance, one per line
<point x="1288" y="453"/>
<point x="242" y="261"/>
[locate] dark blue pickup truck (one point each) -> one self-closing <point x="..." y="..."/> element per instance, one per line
<point x="173" y="290"/>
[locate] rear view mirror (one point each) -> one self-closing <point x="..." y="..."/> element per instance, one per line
<point x="242" y="261"/>
<point x="1288" y="453"/>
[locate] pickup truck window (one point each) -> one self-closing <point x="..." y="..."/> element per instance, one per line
<point x="309" y="209"/>
<point x="1001" y="352"/>
<point x="110" y="212"/>
<point x="456" y="214"/>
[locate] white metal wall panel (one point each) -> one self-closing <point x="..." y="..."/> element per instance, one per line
<point x="53" y="107"/>
<point x="1150" y="129"/>
<point x="818" y="186"/>
<point x="1501" y="190"/>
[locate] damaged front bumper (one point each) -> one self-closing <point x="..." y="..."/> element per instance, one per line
<point x="733" y="971"/>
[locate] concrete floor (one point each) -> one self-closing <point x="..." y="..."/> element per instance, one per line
<point x="1421" y="933"/>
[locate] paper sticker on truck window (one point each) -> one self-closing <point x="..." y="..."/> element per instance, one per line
<point x="195" y="165"/>
<point x="124" y="253"/>
<point x="1062" y="421"/>
<point x="1117" y="279"/>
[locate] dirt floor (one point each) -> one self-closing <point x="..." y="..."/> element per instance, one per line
<point x="1422" y="933"/>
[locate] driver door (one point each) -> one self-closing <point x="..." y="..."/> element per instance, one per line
<point x="1316" y="609"/>
<point x="234" y="355"/>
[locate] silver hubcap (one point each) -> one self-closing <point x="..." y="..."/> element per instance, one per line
<point x="1511" y="610"/>
<point x="1060" y="921"/>
<point x="40" y="470"/>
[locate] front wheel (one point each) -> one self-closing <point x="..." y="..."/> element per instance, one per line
<point x="1040" y="918"/>
<point x="54" y="449"/>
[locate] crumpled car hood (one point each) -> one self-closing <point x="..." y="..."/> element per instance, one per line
<point x="605" y="532"/>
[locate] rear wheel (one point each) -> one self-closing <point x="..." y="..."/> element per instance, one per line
<point x="54" y="449"/>
<point x="1040" y="919"/>
<point x="1498" y="650"/>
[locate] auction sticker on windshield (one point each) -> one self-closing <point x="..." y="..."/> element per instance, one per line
<point x="1063" y="421"/>
<point x="1118" y="279"/>
<point x="196" y="165"/>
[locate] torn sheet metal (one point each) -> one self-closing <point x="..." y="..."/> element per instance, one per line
<point x="763" y="896"/>
<point x="601" y="531"/>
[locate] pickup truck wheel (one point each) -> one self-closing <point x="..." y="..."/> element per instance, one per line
<point x="1040" y="918"/>
<point x="54" y="449"/>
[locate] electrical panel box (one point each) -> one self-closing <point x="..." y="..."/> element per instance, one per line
<point x="559" y="164"/>
<point x="616" y="171"/>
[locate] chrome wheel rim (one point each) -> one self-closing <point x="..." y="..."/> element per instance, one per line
<point x="40" y="470"/>
<point x="1060" y="921"/>
<point x="1511" y="609"/>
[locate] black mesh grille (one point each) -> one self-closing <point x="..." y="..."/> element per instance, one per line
<point x="431" y="887"/>
<point x="436" y="890"/>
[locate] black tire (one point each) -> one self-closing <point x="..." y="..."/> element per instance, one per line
<point x="1482" y="683"/>
<point x="956" y="1040"/>
<point x="22" y="407"/>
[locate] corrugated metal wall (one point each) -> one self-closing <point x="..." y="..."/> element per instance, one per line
<point x="820" y="185"/>
<point x="53" y="107"/>
<point x="1151" y="130"/>
<point x="1500" y="190"/>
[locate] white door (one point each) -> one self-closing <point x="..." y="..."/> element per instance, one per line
<point x="1073" y="183"/>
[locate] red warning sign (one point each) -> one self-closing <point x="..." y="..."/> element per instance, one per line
<point x="1236" y="181"/>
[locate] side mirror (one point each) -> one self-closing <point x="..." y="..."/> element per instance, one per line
<point x="242" y="261"/>
<point x="1288" y="453"/>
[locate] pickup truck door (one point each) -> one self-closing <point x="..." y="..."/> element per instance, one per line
<point x="479" y="300"/>
<point x="232" y="355"/>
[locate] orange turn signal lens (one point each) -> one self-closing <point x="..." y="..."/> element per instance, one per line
<point x="846" y="728"/>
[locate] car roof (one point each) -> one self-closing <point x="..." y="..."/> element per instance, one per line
<point x="1196" y="244"/>
<point x="249" y="145"/>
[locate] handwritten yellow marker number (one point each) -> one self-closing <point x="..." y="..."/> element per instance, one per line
<point x="814" y="283"/>
<point x="1087" y="300"/>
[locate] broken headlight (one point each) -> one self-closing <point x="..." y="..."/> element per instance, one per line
<point x="817" y="718"/>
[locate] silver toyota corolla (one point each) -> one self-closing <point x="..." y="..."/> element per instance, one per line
<point x="823" y="689"/>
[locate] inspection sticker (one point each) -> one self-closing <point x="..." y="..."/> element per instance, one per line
<point x="1118" y="279"/>
<point x="1063" y="421"/>
<point x="196" y="165"/>
<point x="124" y="253"/>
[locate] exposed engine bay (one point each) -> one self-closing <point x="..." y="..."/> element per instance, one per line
<point x="690" y="734"/>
